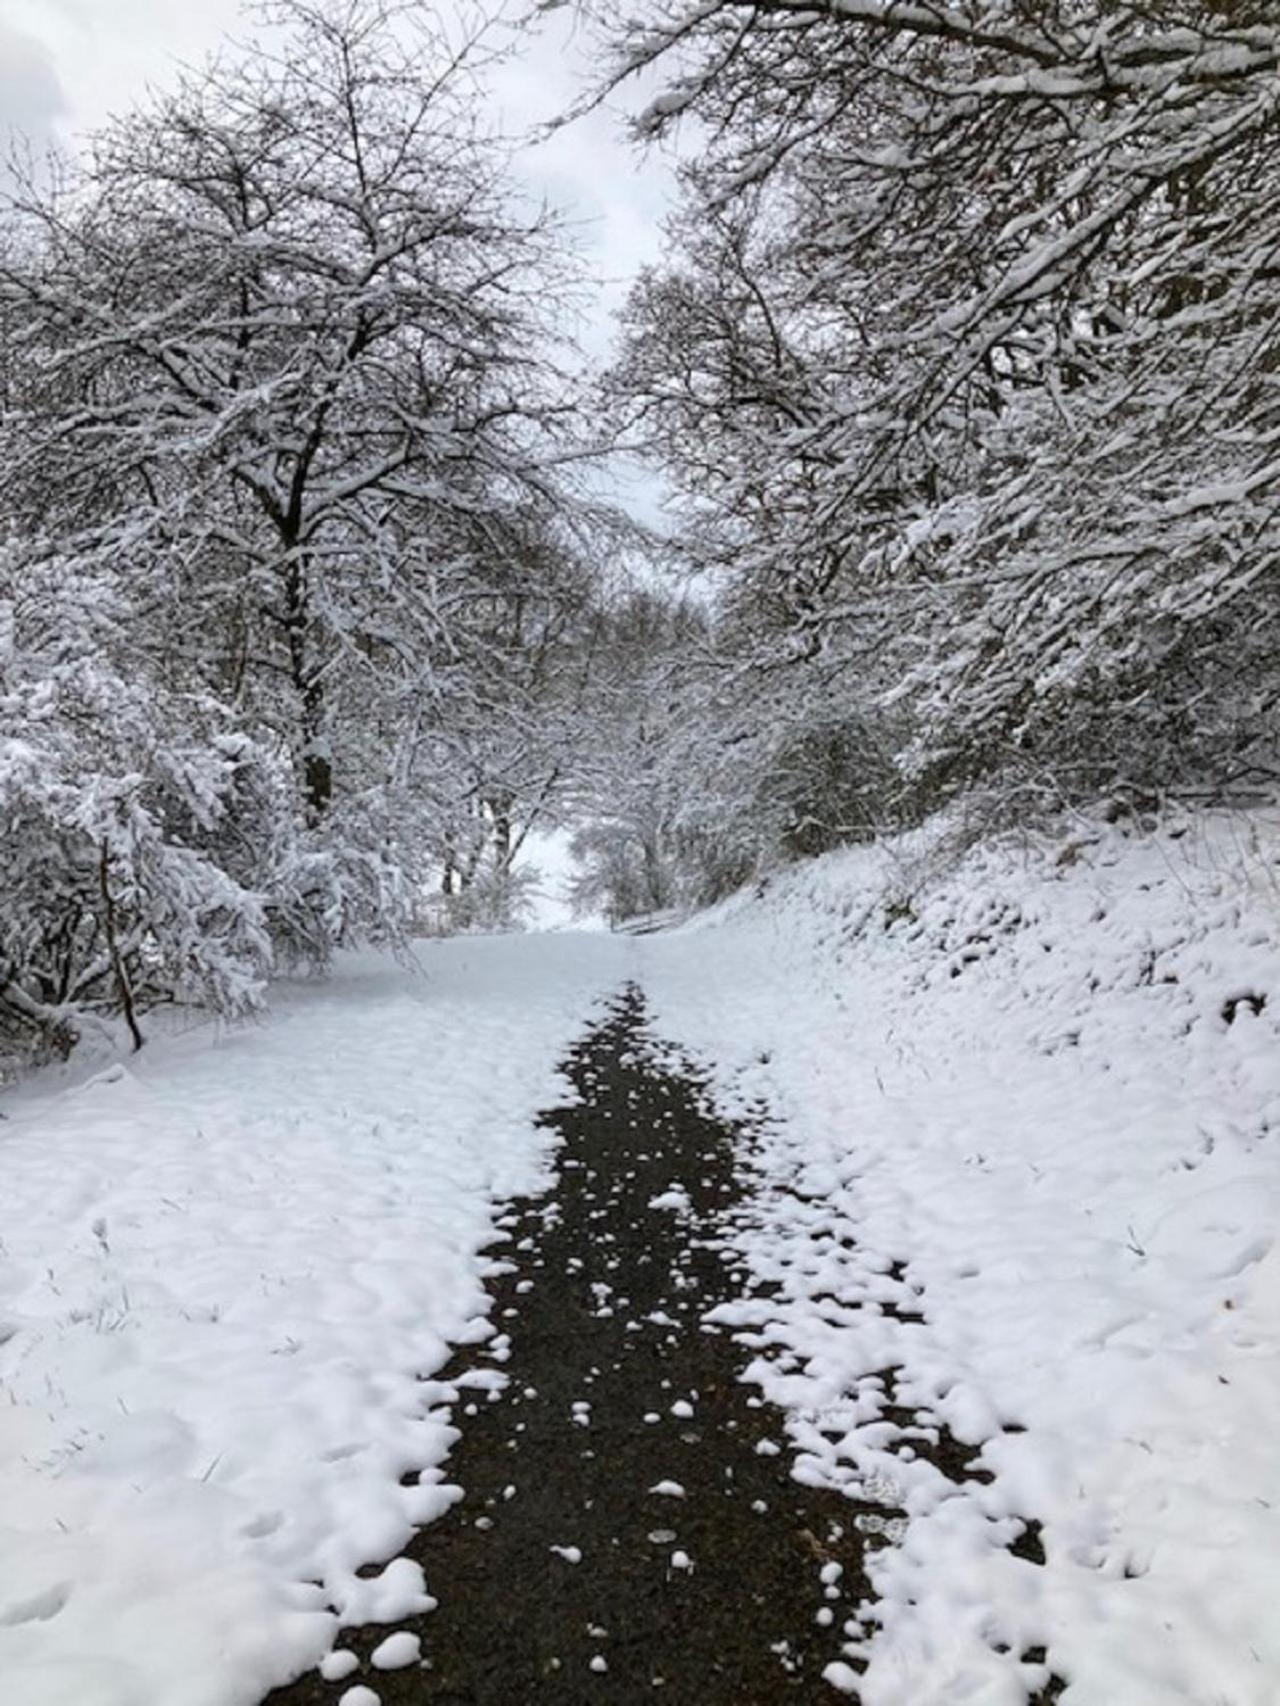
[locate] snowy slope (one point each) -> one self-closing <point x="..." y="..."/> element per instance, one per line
<point x="224" y="1266"/>
<point x="1039" y="1081"/>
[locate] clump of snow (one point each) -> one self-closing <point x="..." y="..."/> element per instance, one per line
<point x="675" y="1198"/>
<point x="225" y="1270"/>
<point x="339" y="1664"/>
<point x="396" y="1652"/>
<point x="1018" y="1127"/>
<point x="841" y="1677"/>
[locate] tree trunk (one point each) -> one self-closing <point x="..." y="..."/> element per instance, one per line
<point x="653" y="877"/>
<point x="314" y="752"/>
<point x="503" y="852"/>
<point x="119" y="971"/>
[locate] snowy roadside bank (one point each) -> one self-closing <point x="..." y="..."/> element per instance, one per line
<point x="1048" y="1084"/>
<point x="223" y="1265"/>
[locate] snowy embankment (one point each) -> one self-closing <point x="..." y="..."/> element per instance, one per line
<point x="1048" y="1083"/>
<point x="224" y="1264"/>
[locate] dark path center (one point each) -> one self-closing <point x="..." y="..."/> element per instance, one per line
<point x="630" y="1529"/>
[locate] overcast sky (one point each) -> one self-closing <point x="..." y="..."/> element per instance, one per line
<point x="66" y="65"/>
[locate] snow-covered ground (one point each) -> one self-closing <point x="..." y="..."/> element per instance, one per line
<point x="1035" y="1097"/>
<point x="1049" y="1083"/>
<point x="224" y="1264"/>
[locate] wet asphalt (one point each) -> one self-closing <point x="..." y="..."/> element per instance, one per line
<point x="630" y="1530"/>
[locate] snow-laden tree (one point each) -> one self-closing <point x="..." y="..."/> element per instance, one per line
<point x="283" y="344"/>
<point x="506" y="744"/>
<point x="633" y="769"/>
<point x="698" y="768"/>
<point x="134" y="826"/>
<point x="280" y="409"/>
<point x="967" y="364"/>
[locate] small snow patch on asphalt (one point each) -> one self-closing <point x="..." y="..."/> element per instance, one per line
<point x="396" y="1652"/>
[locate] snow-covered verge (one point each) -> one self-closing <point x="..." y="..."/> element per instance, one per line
<point x="1033" y="1099"/>
<point x="224" y="1266"/>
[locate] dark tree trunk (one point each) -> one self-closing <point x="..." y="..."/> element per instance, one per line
<point x="502" y="849"/>
<point x="653" y="875"/>
<point x="316" y="764"/>
<point x="119" y="970"/>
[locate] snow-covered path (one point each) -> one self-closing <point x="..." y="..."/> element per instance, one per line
<point x="223" y="1265"/>
<point x="1007" y="1258"/>
<point x="630" y="1522"/>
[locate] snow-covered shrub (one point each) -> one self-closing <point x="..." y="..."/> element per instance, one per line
<point x="332" y="890"/>
<point x="152" y="850"/>
<point x="616" y="876"/>
<point x="108" y="905"/>
<point x="498" y="898"/>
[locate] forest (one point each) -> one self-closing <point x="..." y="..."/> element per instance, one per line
<point x="961" y="374"/>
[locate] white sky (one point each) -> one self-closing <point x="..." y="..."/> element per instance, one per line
<point x="66" y="65"/>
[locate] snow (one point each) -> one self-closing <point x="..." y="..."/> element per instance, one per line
<point x="1011" y="1139"/>
<point x="227" y="1267"/>
<point x="339" y="1664"/>
<point x="841" y="1677"/>
<point x="548" y="852"/>
<point x="1045" y="1083"/>
<point x="676" y="1199"/>
<point x="396" y="1652"/>
<point x="359" y="1696"/>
